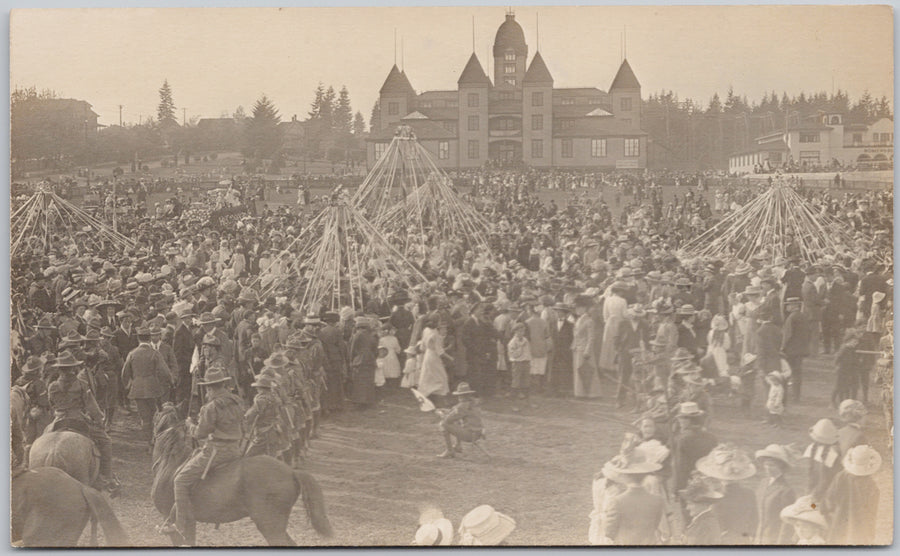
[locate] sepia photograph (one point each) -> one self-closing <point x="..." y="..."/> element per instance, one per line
<point x="413" y="276"/>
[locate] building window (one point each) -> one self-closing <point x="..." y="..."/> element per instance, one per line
<point x="507" y="95"/>
<point x="625" y="103"/>
<point x="537" y="148"/>
<point x="473" y="148"/>
<point x="444" y="150"/>
<point x="393" y="108"/>
<point x="450" y="126"/>
<point x="509" y="68"/>
<point x="510" y="56"/>
<point x="380" y="148"/>
<point x="425" y="104"/>
<point x="857" y="137"/>
<point x="632" y="147"/>
<point x="594" y="101"/>
<point x="567" y="124"/>
<point x="598" y="148"/>
<point x="473" y="100"/>
<point x="567" y="151"/>
<point x="509" y="80"/>
<point x="537" y="121"/>
<point x="507" y="124"/>
<point x="567" y="101"/>
<point x="537" y="99"/>
<point x="809" y="157"/>
<point x="809" y="137"/>
<point x="883" y="137"/>
<point x="473" y="123"/>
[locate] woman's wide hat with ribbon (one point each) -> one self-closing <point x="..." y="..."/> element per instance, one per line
<point x="727" y="462"/>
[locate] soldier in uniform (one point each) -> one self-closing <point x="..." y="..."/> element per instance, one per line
<point x="267" y="435"/>
<point x="299" y="391"/>
<point x="37" y="416"/>
<point x="98" y="371"/>
<point x="313" y="354"/>
<point x="220" y="429"/>
<point x="43" y="340"/>
<point x="116" y="361"/>
<point x="71" y="399"/>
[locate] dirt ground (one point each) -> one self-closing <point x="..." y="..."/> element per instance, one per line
<point x="377" y="467"/>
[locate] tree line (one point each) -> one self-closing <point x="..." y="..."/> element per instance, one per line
<point x="689" y="135"/>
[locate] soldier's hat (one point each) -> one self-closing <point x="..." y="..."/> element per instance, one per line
<point x="107" y="331"/>
<point x="47" y="323"/>
<point x="71" y="338"/>
<point x="66" y="359"/>
<point x="92" y="335"/>
<point x="207" y="318"/>
<point x="215" y="375"/>
<point x="276" y="361"/>
<point x="33" y="364"/>
<point x="294" y="342"/>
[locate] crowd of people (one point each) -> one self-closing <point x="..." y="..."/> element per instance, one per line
<point x="567" y="300"/>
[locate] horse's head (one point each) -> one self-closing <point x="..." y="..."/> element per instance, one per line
<point x="167" y="417"/>
<point x="171" y="443"/>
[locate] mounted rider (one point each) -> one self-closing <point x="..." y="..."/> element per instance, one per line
<point x="38" y="414"/>
<point x="267" y="434"/>
<point x="220" y="428"/>
<point x="72" y="401"/>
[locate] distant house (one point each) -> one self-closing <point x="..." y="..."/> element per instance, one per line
<point x="51" y="129"/>
<point x="294" y="136"/>
<point x="219" y="133"/>
<point x="818" y="141"/>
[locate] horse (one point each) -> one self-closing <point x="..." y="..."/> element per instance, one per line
<point x="48" y="508"/>
<point x="18" y="408"/>
<point x="259" y="487"/>
<point x="70" y="451"/>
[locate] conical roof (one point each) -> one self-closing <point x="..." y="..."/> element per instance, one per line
<point x="510" y="37"/>
<point x="625" y="78"/>
<point x="397" y="82"/>
<point x="537" y="71"/>
<point x="473" y="73"/>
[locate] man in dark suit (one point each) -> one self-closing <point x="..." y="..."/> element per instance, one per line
<point x="691" y="444"/>
<point x="633" y="517"/>
<point x="479" y="338"/>
<point x="771" y="301"/>
<point x="183" y="346"/>
<point x="795" y="341"/>
<point x="147" y="379"/>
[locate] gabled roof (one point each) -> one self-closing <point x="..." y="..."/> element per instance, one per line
<point x="397" y="82"/>
<point x="440" y="113"/>
<point x="537" y="71"/>
<point x="598" y="112"/>
<point x="473" y="74"/>
<point x="415" y="115"/>
<point x="625" y="78"/>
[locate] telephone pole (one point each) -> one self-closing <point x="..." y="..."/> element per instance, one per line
<point x="183" y="116"/>
<point x="120" y="115"/>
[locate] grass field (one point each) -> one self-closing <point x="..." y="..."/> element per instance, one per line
<point x="378" y="467"/>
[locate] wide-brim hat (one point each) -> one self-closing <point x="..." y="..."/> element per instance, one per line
<point x="726" y="463"/>
<point x="743" y="268"/>
<point x="719" y="322"/>
<point x="66" y="359"/>
<point x="686" y="309"/>
<point x="752" y="290"/>
<point x="681" y="354"/>
<point x="486" y="526"/>
<point x="862" y="460"/>
<point x="248" y="295"/>
<point x="852" y="410"/>
<point x="690" y="410"/>
<point x="803" y="509"/>
<point x="311" y="320"/>
<point x="263" y="382"/>
<point x="207" y="318"/>
<point x="46" y="323"/>
<point x="462" y="389"/>
<point x="435" y="533"/>
<point x="776" y="452"/>
<point x="824" y="432"/>
<point x="33" y="364"/>
<point x="216" y="375"/>
<point x="877" y="297"/>
<point x="276" y="361"/>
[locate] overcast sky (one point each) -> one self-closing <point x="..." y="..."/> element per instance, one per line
<point x="218" y="59"/>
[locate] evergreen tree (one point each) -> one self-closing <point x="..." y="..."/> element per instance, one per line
<point x="263" y="134"/>
<point x="316" y="112"/>
<point x="883" y="108"/>
<point x="374" y="120"/>
<point x="326" y="111"/>
<point x="165" y="112"/>
<point x="359" y="124"/>
<point x="239" y="114"/>
<point x="343" y="113"/>
<point x="715" y="105"/>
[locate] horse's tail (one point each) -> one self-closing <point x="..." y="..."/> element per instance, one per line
<point x="100" y="510"/>
<point x="313" y="502"/>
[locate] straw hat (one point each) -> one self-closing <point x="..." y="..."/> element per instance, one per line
<point x="207" y="318"/>
<point x="726" y="462"/>
<point x="747" y="359"/>
<point x="686" y="309"/>
<point x="681" y="354"/>
<point x="215" y="375"/>
<point x="690" y="410"/>
<point x="862" y="461"/>
<point x="776" y="452"/>
<point x="485" y="526"/>
<point x="803" y="509"/>
<point x="824" y="432"/>
<point x="434" y="529"/>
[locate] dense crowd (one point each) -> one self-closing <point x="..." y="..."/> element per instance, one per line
<point x="568" y="301"/>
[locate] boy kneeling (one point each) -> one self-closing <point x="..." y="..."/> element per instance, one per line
<point x="462" y="422"/>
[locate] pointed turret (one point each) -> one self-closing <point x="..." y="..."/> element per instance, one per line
<point x="473" y="74"/>
<point x="625" y="78"/>
<point x="537" y="71"/>
<point x="397" y="83"/>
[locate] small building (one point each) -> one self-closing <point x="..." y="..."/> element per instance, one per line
<point x="820" y="142"/>
<point x="519" y="117"/>
<point x="54" y="129"/>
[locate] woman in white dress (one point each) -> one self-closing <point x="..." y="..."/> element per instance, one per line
<point x="432" y="376"/>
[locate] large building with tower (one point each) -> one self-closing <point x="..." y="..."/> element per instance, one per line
<point x="518" y="116"/>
